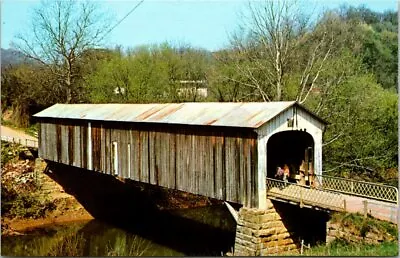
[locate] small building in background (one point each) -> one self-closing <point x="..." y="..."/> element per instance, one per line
<point x="191" y="89"/>
<point x="220" y="150"/>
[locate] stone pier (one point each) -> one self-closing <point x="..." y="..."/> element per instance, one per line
<point x="262" y="232"/>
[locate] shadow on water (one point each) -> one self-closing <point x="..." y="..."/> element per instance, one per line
<point x="134" y="208"/>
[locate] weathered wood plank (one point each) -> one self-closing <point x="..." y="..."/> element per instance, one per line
<point x="77" y="146"/>
<point x="41" y="148"/>
<point x="248" y="172"/>
<point x="136" y="155"/>
<point x="58" y="156"/>
<point x="223" y="169"/>
<point x="114" y="139"/>
<point x="228" y="168"/>
<point x="96" y="147"/>
<point x="241" y="169"/>
<point x="71" y="138"/>
<point x="163" y="161"/>
<point x="218" y="167"/>
<point x="152" y="157"/>
<point x="123" y="145"/>
<point x="64" y="144"/>
<point x="209" y="168"/>
<point x="172" y="161"/>
<point x="123" y="141"/>
<point x="157" y="158"/>
<point x="181" y="162"/>
<point x="102" y="149"/>
<point x="254" y="175"/>
<point x="107" y="149"/>
<point x="192" y="173"/>
<point x="199" y="165"/>
<point x="144" y="172"/>
<point x="184" y="162"/>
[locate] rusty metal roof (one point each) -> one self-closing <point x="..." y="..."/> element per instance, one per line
<point x="250" y="114"/>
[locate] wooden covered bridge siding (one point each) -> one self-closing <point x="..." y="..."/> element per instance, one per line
<point x="218" y="162"/>
<point x="212" y="149"/>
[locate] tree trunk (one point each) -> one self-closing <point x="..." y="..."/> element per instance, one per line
<point x="69" y="84"/>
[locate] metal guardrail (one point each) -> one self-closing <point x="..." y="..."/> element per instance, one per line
<point x="305" y="195"/>
<point x="359" y="188"/>
<point x="21" y="141"/>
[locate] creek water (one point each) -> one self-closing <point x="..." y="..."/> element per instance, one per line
<point x="204" y="231"/>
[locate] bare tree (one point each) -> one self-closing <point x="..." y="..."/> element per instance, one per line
<point x="60" y="32"/>
<point x="270" y="45"/>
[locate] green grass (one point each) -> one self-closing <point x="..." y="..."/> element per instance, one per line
<point x="363" y="225"/>
<point x="74" y="243"/>
<point x="360" y="226"/>
<point x="8" y="152"/>
<point x="32" y="130"/>
<point x="125" y="246"/>
<point x="338" y="248"/>
<point x="7" y="123"/>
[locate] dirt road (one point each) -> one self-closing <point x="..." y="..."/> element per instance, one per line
<point x="8" y="134"/>
<point x="7" y="131"/>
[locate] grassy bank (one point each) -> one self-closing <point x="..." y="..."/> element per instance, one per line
<point x="76" y="239"/>
<point x="340" y="248"/>
<point x="384" y="233"/>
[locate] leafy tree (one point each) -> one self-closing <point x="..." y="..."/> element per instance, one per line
<point x="149" y="74"/>
<point x="267" y="49"/>
<point x="366" y="117"/>
<point x="377" y="34"/>
<point x="380" y="55"/>
<point x="60" y="33"/>
<point x="225" y="83"/>
<point x="24" y="89"/>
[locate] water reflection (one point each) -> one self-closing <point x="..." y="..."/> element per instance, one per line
<point x="197" y="231"/>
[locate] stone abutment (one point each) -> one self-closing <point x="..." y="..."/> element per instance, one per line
<point x="278" y="229"/>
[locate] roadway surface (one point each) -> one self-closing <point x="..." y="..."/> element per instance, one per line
<point x="377" y="209"/>
<point x="8" y="134"/>
<point x="335" y="201"/>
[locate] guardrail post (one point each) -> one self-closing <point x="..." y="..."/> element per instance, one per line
<point x="302" y="247"/>
<point x="344" y="204"/>
<point x="352" y="186"/>
<point x="365" y="208"/>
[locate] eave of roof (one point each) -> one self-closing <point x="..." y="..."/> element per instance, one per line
<point x="247" y="115"/>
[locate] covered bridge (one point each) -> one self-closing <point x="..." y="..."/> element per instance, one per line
<point x="220" y="150"/>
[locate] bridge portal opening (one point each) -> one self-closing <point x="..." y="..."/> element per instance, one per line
<point x="295" y="149"/>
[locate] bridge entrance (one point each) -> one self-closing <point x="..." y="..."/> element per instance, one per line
<point x="295" y="149"/>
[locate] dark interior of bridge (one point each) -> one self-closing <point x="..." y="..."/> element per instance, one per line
<point x="288" y="148"/>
